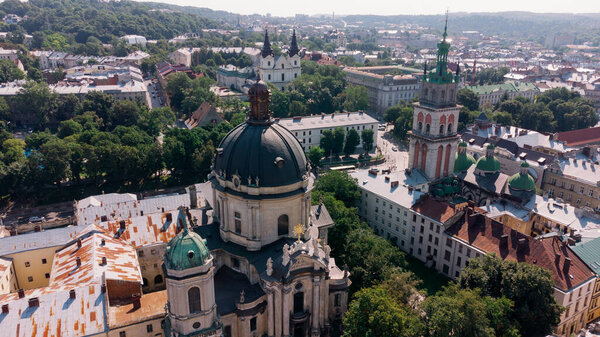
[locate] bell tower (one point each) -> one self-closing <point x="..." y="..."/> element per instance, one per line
<point x="433" y="138"/>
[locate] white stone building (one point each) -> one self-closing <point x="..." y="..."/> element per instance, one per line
<point x="279" y="70"/>
<point x="309" y="129"/>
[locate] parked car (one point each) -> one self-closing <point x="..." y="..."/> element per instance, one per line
<point x="37" y="219"/>
<point x="395" y="149"/>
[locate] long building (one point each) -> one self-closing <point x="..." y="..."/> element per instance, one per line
<point x="491" y="94"/>
<point x="384" y="90"/>
<point x="309" y="129"/>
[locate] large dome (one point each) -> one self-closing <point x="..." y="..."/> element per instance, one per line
<point x="267" y="152"/>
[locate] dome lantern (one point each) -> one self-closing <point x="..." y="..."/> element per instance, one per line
<point x="260" y="98"/>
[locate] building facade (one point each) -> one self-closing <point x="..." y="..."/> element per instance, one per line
<point x="384" y="90"/>
<point x="279" y="70"/>
<point x="309" y="129"/>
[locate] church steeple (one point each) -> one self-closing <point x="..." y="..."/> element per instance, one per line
<point x="441" y="74"/>
<point x="294" y="50"/>
<point x="266" y="49"/>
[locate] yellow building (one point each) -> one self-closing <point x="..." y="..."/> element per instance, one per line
<point x="33" y="267"/>
<point x="8" y="279"/>
<point x="574" y="180"/>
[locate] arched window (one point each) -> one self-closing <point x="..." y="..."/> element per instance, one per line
<point x="420" y="126"/>
<point x="427" y="129"/>
<point x="442" y="129"/>
<point x="158" y="279"/>
<point x="283" y="77"/>
<point x="282" y="66"/>
<point x="194" y="300"/>
<point x="283" y="225"/>
<point x="442" y="95"/>
<point x="450" y="128"/>
<point x="298" y="302"/>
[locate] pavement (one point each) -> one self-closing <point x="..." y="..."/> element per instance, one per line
<point x="154" y="93"/>
<point x="385" y="144"/>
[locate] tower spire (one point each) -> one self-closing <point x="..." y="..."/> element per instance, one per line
<point x="446" y="26"/>
<point x="266" y="49"/>
<point x="294" y="50"/>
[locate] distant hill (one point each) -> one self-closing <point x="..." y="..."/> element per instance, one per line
<point x="82" y="19"/>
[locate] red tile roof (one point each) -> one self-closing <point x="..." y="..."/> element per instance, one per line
<point x="486" y="234"/>
<point x="580" y="137"/>
<point x="434" y="209"/>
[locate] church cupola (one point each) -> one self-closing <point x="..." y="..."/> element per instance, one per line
<point x="266" y="49"/>
<point x="259" y="97"/>
<point x="294" y="50"/>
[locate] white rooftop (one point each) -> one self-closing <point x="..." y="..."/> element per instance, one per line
<point x="405" y="194"/>
<point x="37" y="240"/>
<point x="327" y="121"/>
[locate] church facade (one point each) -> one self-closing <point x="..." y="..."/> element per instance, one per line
<point x="263" y="267"/>
<point x="279" y="70"/>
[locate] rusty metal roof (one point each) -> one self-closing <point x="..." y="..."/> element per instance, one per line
<point x="145" y="230"/>
<point x="57" y="314"/>
<point x="121" y="259"/>
<point x="152" y="306"/>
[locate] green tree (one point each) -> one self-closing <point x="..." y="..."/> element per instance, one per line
<point x="342" y="186"/>
<point x="125" y="113"/>
<point x="530" y="287"/>
<point x="55" y="161"/>
<point x="13" y="150"/>
<point x="56" y="41"/>
<point x="392" y="113"/>
<point x="468" y="99"/>
<point x="372" y="313"/>
<point x="367" y="136"/>
<point x="352" y="141"/>
<point x="503" y="118"/>
<point x="156" y="120"/>
<point x="403" y="123"/>
<point x="315" y="154"/>
<point x="326" y="142"/>
<point x="68" y="128"/>
<point x="457" y="312"/>
<point x="36" y="99"/>
<point x="338" y="140"/>
<point x="9" y="71"/>
<point x="4" y="110"/>
<point x="357" y="98"/>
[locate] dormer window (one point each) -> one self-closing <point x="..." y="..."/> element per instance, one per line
<point x="268" y="63"/>
<point x="282" y="66"/>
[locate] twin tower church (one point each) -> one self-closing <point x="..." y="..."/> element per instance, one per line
<point x="263" y="267"/>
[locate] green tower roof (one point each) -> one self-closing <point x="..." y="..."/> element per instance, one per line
<point x="462" y="144"/>
<point x="186" y="250"/>
<point x="521" y="182"/>
<point x="488" y="164"/>
<point x="462" y="162"/>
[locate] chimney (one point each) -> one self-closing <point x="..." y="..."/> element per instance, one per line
<point x="5" y="308"/>
<point x="79" y="243"/>
<point x="13" y="232"/>
<point x="567" y="264"/>
<point x="34" y="302"/>
<point x="136" y="301"/>
<point x="103" y="242"/>
<point x="72" y="294"/>
<point x="122" y="225"/>
<point x="21" y="293"/>
<point x="78" y="261"/>
<point x="104" y="260"/>
<point x="37" y="228"/>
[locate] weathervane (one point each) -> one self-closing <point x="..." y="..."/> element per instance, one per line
<point x="299" y="230"/>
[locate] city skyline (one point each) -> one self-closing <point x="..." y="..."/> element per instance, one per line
<point x="386" y="7"/>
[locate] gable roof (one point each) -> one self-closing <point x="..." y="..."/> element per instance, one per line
<point x="580" y="137"/>
<point x="550" y="253"/>
<point x="589" y="252"/>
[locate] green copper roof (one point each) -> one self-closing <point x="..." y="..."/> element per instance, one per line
<point x="463" y="161"/>
<point x="508" y="86"/>
<point x="524" y="164"/>
<point x="488" y="164"/>
<point x="589" y="252"/>
<point x="186" y="250"/>
<point x="462" y="144"/>
<point x="522" y="182"/>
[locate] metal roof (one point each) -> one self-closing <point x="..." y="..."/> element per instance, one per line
<point x="589" y="252"/>
<point x="37" y="240"/>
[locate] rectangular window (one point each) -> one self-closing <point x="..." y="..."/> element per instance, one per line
<point x="27" y="264"/>
<point x="445" y="269"/>
<point x="337" y="300"/>
<point x="419" y="251"/>
<point x="235" y="262"/>
<point x="448" y="242"/>
<point x="227" y="331"/>
<point x="47" y="275"/>
<point x="149" y="328"/>
<point x="238" y="222"/>
<point x="447" y="255"/>
<point x="421" y="229"/>
<point x="420" y="239"/>
<point x="122" y="334"/>
<point x="44" y="261"/>
<point x="458" y="261"/>
<point x="253" y="324"/>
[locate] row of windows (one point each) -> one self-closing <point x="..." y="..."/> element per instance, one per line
<point x="27" y="264"/>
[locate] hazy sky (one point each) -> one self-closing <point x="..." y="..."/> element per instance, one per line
<point x="388" y="7"/>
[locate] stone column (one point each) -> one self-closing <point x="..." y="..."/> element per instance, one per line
<point x="315" y="331"/>
<point x="270" y="317"/>
<point x="286" y="311"/>
<point x="278" y="312"/>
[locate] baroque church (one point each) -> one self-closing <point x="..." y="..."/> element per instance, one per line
<point x="263" y="267"/>
<point x="279" y="70"/>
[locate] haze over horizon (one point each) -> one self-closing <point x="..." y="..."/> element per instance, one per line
<point x="387" y="7"/>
